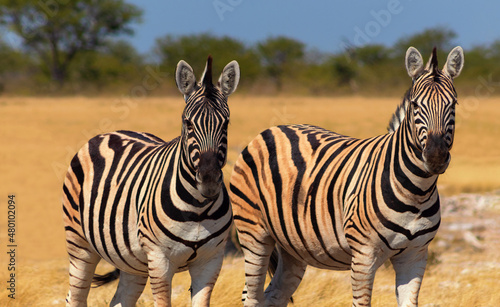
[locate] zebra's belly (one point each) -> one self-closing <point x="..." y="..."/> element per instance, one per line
<point x="134" y="259"/>
<point x="316" y="239"/>
<point x="313" y="234"/>
<point x="128" y="257"/>
<point x="130" y="263"/>
<point x="325" y="255"/>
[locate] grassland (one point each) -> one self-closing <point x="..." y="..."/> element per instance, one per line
<point x="40" y="135"/>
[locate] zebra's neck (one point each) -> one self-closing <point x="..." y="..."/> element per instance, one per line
<point x="186" y="175"/>
<point x="408" y="164"/>
<point x="184" y="181"/>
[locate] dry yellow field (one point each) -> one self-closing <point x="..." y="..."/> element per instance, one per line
<point x="40" y="135"/>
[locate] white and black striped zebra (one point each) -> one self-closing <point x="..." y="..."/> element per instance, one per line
<point x="341" y="203"/>
<point x="153" y="208"/>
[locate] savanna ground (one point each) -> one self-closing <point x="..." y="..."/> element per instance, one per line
<point x="40" y="135"/>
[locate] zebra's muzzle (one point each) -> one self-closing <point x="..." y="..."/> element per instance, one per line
<point x="437" y="168"/>
<point x="436" y="154"/>
<point x="209" y="188"/>
<point x="209" y="175"/>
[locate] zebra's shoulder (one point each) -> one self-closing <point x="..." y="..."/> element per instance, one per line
<point x="139" y="136"/>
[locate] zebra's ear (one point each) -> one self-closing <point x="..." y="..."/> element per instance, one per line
<point x="414" y="62"/>
<point x="229" y="79"/>
<point x="454" y="63"/>
<point x="185" y="78"/>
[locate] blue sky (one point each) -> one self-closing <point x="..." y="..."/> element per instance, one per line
<point x="321" y="24"/>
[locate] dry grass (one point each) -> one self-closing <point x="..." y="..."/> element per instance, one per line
<point x="454" y="282"/>
<point x="40" y="135"/>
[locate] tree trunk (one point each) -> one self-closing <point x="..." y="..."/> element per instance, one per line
<point x="58" y="67"/>
<point x="58" y="74"/>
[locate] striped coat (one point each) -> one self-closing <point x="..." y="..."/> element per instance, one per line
<point x="153" y="208"/>
<point x="341" y="203"/>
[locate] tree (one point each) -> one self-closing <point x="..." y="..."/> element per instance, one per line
<point x="494" y="50"/>
<point x="114" y="62"/>
<point x="58" y="30"/>
<point x="279" y="56"/>
<point x="371" y="55"/>
<point x="195" y="49"/>
<point x="13" y="65"/>
<point x="439" y="37"/>
<point x="345" y="70"/>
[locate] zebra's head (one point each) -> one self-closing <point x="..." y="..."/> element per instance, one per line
<point x="205" y="121"/>
<point x="432" y="100"/>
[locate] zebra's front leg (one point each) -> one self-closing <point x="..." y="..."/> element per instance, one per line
<point x="363" y="269"/>
<point x="129" y="289"/>
<point x="82" y="264"/>
<point x="203" y="278"/>
<point x="161" y="271"/>
<point x="410" y="268"/>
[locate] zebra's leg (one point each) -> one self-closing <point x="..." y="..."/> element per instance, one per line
<point x="161" y="271"/>
<point x="364" y="265"/>
<point x="129" y="289"/>
<point x="203" y="278"/>
<point x="287" y="278"/>
<point x="82" y="263"/>
<point x="257" y="248"/>
<point x="410" y="268"/>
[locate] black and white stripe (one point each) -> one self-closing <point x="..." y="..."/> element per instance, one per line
<point x="153" y="208"/>
<point x="315" y="197"/>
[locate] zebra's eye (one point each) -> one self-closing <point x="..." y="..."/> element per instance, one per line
<point x="188" y="124"/>
<point x="415" y="105"/>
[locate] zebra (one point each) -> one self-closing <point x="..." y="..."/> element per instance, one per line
<point x="153" y="208"/>
<point x="310" y="196"/>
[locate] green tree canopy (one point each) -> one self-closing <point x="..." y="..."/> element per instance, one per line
<point x="58" y="30"/>
<point x="14" y="65"/>
<point x="195" y="49"/>
<point x="114" y="62"/>
<point x="439" y="37"/>
<point x="372" y="55"/>
<point x="279" y="56"/>
<point x="10" y="58"/>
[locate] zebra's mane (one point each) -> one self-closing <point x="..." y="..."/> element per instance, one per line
<point x="399" y="114"/>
